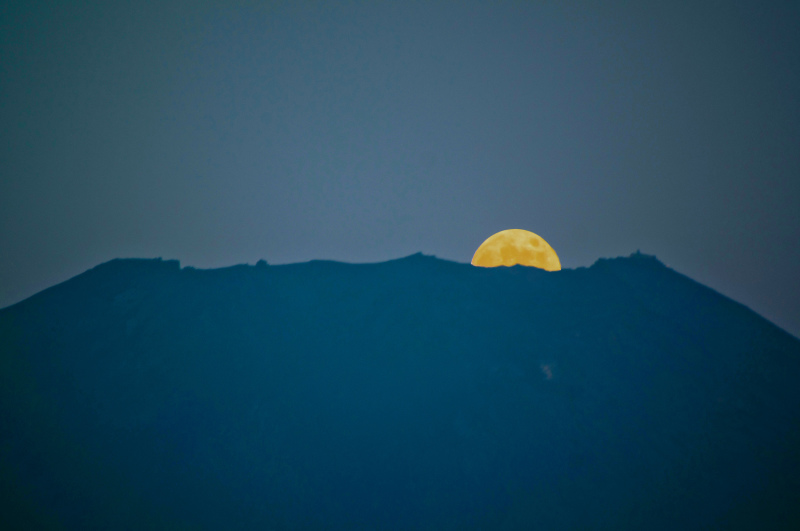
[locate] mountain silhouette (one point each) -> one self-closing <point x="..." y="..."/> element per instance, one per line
<point x="411" y="394"/>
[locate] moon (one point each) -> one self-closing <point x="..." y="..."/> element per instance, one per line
<point x="516" y="246"/>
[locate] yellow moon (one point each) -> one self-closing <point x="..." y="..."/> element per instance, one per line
<point x="516" y="246"/>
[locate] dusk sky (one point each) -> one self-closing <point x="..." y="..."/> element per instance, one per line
<point x="220" y="133"/>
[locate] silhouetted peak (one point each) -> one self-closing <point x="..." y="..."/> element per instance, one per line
<point x="311" y="384"/>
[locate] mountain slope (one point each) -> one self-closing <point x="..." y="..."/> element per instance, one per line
<point x="411" y="394"/>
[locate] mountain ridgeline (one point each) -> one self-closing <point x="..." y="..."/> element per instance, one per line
<point x="412" y="394"/>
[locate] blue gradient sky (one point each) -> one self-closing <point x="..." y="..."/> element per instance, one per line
<point x="224" y="132"/>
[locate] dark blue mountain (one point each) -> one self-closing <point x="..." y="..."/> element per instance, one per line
<point x="411" y="394"/>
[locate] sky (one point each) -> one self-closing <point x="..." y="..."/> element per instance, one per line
<point x="220" y="133"/>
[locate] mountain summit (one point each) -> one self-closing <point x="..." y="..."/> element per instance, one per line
<point x="411" y="394"/>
